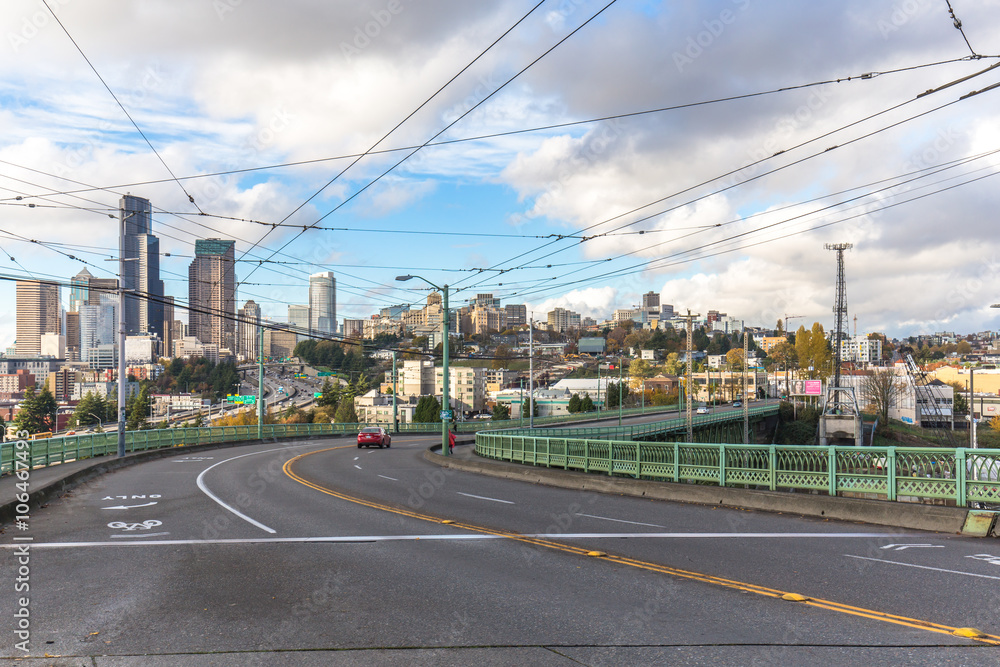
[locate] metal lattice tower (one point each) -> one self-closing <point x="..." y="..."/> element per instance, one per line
<point x="839" y="309"/>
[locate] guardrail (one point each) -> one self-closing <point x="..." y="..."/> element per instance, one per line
<point x="893" y="473"/>
<point x="633" y="431"/>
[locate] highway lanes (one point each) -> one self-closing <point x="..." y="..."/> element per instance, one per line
<point x="392" y="576"/>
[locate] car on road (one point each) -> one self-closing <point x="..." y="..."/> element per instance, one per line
<point x="737" y="404"/>
<point x="702" y="411"/>
<point x="374" y="435"/>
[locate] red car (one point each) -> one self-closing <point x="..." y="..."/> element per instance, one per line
<point x="374" y="435"/>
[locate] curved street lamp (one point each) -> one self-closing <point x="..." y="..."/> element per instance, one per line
<point x="446" y="403"/>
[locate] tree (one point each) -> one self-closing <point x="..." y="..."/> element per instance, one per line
<point x="501" y="412"/>
<point x="574" y="404"/>
<point x="587" y="404"/>
<point x="673" y="364"/>
<point x="346" y="414"/>
<point x="783" y="354"/>
<point x="526" y="406"/>
<point x="963" y="347"/>
<point x="28" y="417"/>
<point x="639" y="370"/>
<point x="614" y="391"/>
<point x="502" y="357"/>
<point x="819" y="350"/>
<point x="138" y="410"/>
<point x="880" y="388"/>
<point x="735" y="359"/>
<point x="428" y="410"/>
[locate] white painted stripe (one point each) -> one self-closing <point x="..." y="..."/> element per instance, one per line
<point x="924" y="567"/>
<point x="634" y="523"/>
<point x="140" y="535"/>
<point x="357" y="466"/>
<point x="444" y="537"/>
<point x="201" y="485"/>
<point x="496" y="500"/>
<point x="392" y="478"/>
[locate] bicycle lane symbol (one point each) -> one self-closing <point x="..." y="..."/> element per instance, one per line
<point x="136" y="529"/>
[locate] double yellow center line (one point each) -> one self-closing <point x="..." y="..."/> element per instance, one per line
<point x="829" y="605"/>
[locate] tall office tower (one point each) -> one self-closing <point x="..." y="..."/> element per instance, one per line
<point x="143" y="311"/>
<point x="651" y="301"/>
<point x="249" y="317"/>
<point x="323" y="303"/>
<point x="517" y="314"/>
<point x="298" y="317"/>
<point x="79" y="290"/>
<point x="168" y="326"/>
<point x="37" y="313"/>
<point x="72" y="329"/>
<point x="485" y="301"/>
<point x="212" y="292"/>
<point x="98" y="325"/>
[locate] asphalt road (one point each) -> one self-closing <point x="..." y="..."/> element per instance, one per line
<point x="321" y="553"/>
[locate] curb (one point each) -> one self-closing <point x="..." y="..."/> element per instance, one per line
<point x="911" y="516"/>
<point x="103" y="465"/>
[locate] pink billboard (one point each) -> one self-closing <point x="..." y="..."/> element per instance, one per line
<point x="806" y="388"/>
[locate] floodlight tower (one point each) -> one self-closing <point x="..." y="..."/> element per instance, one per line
<point x="841" y="418"/>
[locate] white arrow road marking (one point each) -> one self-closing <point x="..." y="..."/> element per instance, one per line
<point x="900" y="547"/>
<point x="921" y="567"/>
<point x="496" y="500"/>
<point x="128" y="507"/>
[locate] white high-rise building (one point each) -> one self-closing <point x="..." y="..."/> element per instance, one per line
<point x="323" y="303"/>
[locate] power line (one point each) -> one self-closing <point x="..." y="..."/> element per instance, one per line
<point x="121" y="106"/>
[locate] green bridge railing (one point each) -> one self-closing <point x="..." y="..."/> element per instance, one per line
<point x="894" y="473"/>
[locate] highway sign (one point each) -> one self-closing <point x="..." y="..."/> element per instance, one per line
<point x="241" y="400"/>
<point x="446" y="415"/>
<point x="324" y="374"/>
<point x="317" y="394"/>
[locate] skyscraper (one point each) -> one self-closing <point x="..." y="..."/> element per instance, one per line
<point x="323" y="303"/>
<point x="298" y="317"/>
<point x="37" y="313"/>
<point x="143" y="312"/>
<point x="249" y="316"/>
<point x="212" y="292"/>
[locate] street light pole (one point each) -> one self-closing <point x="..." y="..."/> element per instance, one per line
<point x="619" y="390"/>
<point x="446" y="407"/>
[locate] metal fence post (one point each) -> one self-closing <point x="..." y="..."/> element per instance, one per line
<point x="638" y="459"/>
<point x="772" y="464"/>
<point x="722" y="464"/>
<point x="961" y="473"/>
<point x="890" y="465"/>
<point x="832" y="470"/>
<point x="677" y="462"/>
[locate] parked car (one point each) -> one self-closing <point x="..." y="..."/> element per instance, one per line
<point x="374" y="435"/>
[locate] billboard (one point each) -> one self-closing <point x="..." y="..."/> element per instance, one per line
<point x="805" y="388"/>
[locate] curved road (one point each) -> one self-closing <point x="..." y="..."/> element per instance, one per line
<point x="318" y="553"/>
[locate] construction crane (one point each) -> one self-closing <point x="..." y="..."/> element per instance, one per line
<point x="790" y="317"/>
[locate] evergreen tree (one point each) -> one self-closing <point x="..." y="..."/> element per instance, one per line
<point x="501" y="412"/>
<point x="428" y="410"/>
<point x="526" y="406"/>
<point x="587" y="404"/>
<point x="346" y="413"/>
<point x="574" y="404"/>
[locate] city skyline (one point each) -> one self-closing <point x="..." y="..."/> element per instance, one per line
<point x="659" y="148"/>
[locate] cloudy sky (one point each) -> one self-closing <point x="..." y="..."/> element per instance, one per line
<point x="564" y="153"/>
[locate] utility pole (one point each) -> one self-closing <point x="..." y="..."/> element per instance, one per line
<point x="260" y="381"/>
<point x="395" y="414"/>
<point x="121" y="333"/>
<point x="746" y="407"/>
<point x="531" y="374"/>
<point x="689" y="373"/>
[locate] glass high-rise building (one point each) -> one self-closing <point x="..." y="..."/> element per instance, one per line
<point x="212" y="293"/>
<point x="323" y="303"/>
<point x="143" y="309"/>
<point x="37" y="313"/>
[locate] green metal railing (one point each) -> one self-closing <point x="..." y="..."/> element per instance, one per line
<point x="676" y="425"/>
<point x="893" y="473"/>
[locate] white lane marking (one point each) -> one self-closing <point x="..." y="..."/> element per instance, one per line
<point x="142" y="535"/>
<point x="392" y="478"/>
<point x="900" y="547"/>
<point x="496" y="500"/>
<point x="201" y="485"/>
<point x="924" y="567"/>
<point x="634" y="523"/>
<point x="447" y="536"/>
<point x="356" y="458"/>
<point x="357" y="466"/>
